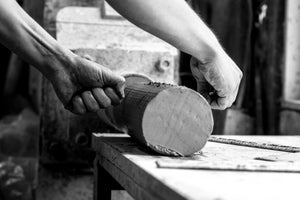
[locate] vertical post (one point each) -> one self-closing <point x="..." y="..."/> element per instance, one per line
<point x="102" y="188"/>
<point x="292" y="51"/>
<point x="104" y="183"/>
<point x="268" y="34"/>
<point x="290" y="107"/>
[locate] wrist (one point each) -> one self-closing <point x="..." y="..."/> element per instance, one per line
<point x="57" y="63"/>
<point x="209" y="53"/>
<point x="206" y="46"/>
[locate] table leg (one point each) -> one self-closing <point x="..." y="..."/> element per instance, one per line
<point x="104" y="183"/>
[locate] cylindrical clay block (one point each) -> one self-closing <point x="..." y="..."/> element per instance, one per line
<point x="171" y="120"/>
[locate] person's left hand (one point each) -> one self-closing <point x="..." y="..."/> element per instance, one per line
<point x="218" y="80"/>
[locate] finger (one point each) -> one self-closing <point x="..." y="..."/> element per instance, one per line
<point x="207" y="97"/>
<point x="232" y="97"/>
<point x="115" y="99"/>
<point x="219" y="103"/>
<point x="215" y="106"/>
<point x="78" y="106"/>
<point x="194" y="69"/>
<point x="120" y="89"/>
<point x="102" y="99"/>
<point x="90" y="102"/>
<point x="235" y="93"/>
<point x="203" y="87"/>
<point x="232" y="100"/>
<point x="197" y="66"/>
<point x="106" y="78"/>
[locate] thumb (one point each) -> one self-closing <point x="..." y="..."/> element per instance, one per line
<point x="203" y="86"/>
<point x="195" y="69"/>
<point x="115" y="81"/>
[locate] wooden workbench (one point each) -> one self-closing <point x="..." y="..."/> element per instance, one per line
<point x="121" y="163"/>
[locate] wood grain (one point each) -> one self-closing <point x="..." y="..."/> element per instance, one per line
<point x="131" y="165"/>
<point x="237" y="165"/>
<point x="261" y="145"/>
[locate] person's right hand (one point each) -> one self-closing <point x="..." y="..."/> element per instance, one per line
<point x="85" y="86"/>
<point x="217" y="80"/>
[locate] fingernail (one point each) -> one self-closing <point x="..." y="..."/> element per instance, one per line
<point x="122" y="92"/>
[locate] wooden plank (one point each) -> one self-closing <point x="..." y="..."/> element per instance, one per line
<point x="261" y="145"/>
<point x="136" y="181"/>
<point x="141" y="167"/>
<point x="235" y="165"/>
<point x="292" y="50"/>
<point x="290" y="116"/>
<point x="272" y="139"/>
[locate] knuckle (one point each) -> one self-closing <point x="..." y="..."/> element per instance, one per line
<point x="122" y="80"/>
<point x="240" y="74"/>
<point x="227" y="90"/>
<point x="100" y="78"/>
<point x="94" y="108"/>
<point x="106" y="103"/>
<point x="78" y="110"/>
<point x="221" y="103"/>
<point x="219" y="107"/>
<point x="224" y="106"/>
<point x="88" y="93"/>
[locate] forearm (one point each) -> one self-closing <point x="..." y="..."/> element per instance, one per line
<point x="22" y="35"/>
<point x="173" y="21"/>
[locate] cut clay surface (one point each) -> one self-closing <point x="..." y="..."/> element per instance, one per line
<point x="178" y="119"/>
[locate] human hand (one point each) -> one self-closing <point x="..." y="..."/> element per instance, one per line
<point x="217" y="80"/>
<point x="85" y="86"/>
